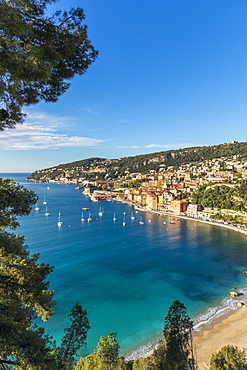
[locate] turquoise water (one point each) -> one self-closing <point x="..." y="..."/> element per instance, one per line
<point x="127" y="277"/>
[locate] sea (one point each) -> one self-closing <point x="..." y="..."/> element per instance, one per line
<point x="127" y="277"/>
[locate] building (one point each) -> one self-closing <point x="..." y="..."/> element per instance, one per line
<point x="193" y="209"/>
<point x="178" y="206"/>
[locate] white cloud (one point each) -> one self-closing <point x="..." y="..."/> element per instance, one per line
<point x="160" y="146"/>
<point x="168" y="146"/>
<point x="40" y="131"/>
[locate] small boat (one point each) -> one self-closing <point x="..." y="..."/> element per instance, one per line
<point x="132" y="216"/>
<point x="171" y="222"/>
<point x="48" y="187"/>
<point x="44" y="202"/>
<point x="37" y="207"/>
<point x="124" y="222"/>
<point x="101" y="211"/>
<point x="46" y="211"/>
<point x="141" y="222"/>
<point x="164" y="222"/>
<point x="85" y="209"/>
<point x="59" y="223"/>
<point x="89" y="218"/>
<point x="82" y="217"/>
<point x="114" y="217"/>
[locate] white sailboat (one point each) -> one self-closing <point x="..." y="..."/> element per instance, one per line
<point x="101" y="211"/>
<point x="82" y="217"/>
<point x="124" y="222"/>
<point x="89" y="218"/>
<point x="59" y="223"/>
<point x="44" y="202"/>
<point x="141" y="222"/>
<point x="46" y="211"/>
<point x="114" y="217"/>
<point x="132" y="216"/>
<point x="37" y="207"/>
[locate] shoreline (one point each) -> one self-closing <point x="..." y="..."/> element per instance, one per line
<point x="165" y="213"/>
<point x="210" y="325"/>
<point x="227" y="329"/>
<point x="227" y="325"/>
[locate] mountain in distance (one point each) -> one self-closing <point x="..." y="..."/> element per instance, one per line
<point x="110" y="169"/>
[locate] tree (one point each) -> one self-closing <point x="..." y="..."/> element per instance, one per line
<point x="178" y="335"/>
<point x="24" y="291"/>
<point x="39" y="54"/>
<point x="75" y="336"/>
<point x="25" y="296"/>
<point x="105" y="357"/>
<point x="108" y="352"/>
<point x="229" y="358"/>
<point x="14" y="201"/>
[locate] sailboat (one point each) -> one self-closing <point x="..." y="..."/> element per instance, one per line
<point x="141" y="222"/>
<point x="132" y="216"/>
<point x="37" y="207"/>
<point x="59" y="223"/>
<point x="44" y="202"/>
<point x="124" y="223"/>
<point x="46" y="212"/>
<point x="82" y="217"/>
<point x="89" y="218"/>
<point x="114" y="217"/>
<point x="101" y="211"/>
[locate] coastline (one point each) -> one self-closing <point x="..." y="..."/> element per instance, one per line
<point x="223" y="325"/>
<point x="219" y="326"/>
<point x="165" y="213"/>
<point x="228" y="329"/>
<point x="207" y="324"/>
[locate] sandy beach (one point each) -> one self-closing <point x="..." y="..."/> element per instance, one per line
<point x="230" y="328"/>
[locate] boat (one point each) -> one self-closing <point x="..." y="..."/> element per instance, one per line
<point x="82" y="217"/>
<point x="59" y="223"/>
<point x="44" y="202"/>
<point x="46" y="211"/>
<point x="101" y="211"/>
<point x="114" y="217"/>
<point x="132" y="216"/>
<point x="37" y="207"/>
<point x="89" y="218"/>
<point x="85" y="209"/>
<point x="141" y="222"/>
<point x="124" y="222"/>
<point x="171" y="222"/>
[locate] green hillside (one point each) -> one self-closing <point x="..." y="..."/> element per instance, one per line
<point x="112" y="168"/>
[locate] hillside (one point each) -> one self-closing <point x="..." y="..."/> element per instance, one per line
<point x="113" y="168"/>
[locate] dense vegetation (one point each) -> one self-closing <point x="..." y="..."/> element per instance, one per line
<point x="112" y="168"/>
<point x="39" y="54"/>
<point x="25" y="296"/>
<point x="222" y="196"/>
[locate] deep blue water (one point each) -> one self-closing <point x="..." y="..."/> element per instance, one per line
<point x="127" y="277"/>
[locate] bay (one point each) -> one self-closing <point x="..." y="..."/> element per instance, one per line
<point x="127" y="277"/>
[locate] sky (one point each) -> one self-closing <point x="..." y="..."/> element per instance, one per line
<point x="170" y="74"/>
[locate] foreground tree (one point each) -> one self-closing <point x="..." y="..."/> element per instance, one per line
<point x="178" y="336"/>
<point x="229" y="358"/>
<point x="25" y="296"/>
<point x="105" y="357"/>
<point x="24" y="291"/>
<point x="74" y="338"/>
<point x="39" y="54"/>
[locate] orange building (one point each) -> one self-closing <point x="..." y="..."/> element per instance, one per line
<point x="178" y="206"/>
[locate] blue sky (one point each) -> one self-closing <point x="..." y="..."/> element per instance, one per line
<point x="170" y="74"/>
